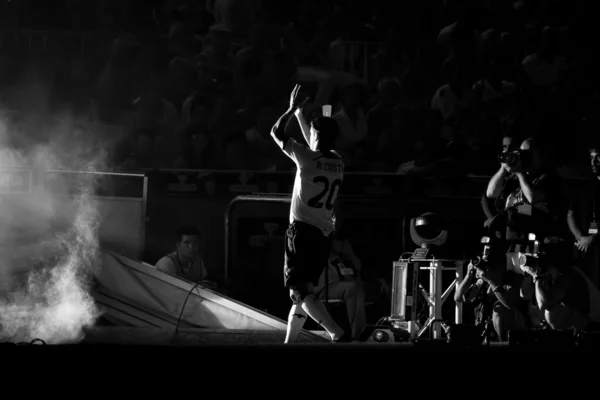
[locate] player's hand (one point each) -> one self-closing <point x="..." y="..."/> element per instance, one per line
<point x="584" y="242"/>
<point x="294" y="102"/>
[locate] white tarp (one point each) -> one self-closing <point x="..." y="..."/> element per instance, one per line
<point x="144" y="293"/>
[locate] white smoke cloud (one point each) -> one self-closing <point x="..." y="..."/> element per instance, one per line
<point x="49" y="244"/>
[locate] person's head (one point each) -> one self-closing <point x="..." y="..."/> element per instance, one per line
<point x="507" y="142"/>
<point x="220" y="39"/>
<point x="549" y="39"/>
<point x="181" y="38"/>
<point x="144" y="140"/>
<point x="126" y="50"/>
<point x="324" y="131"/>
<point x="535" y="155"/>
<point x="150" y="103"/>
<point x="223" y="82"/>
<point x="199" y="137"/>
<point x="236" y="151"/>
<point x="180" y="72"/>
<point x="187" y="241"/>
<point x="388" y="89"/>
<point x="594" y="153"/>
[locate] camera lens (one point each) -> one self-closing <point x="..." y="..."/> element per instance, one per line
<point x="508" y="158"/>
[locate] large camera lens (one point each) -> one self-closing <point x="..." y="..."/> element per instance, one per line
<point x="508" y="158"/>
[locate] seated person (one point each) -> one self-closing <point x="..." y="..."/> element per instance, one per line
<point x="186" y="262"/>
<point x="565" y="294"/>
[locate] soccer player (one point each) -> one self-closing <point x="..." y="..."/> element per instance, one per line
<point x="319" y="175"/>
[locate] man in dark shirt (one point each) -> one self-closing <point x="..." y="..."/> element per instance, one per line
<point x="583" y="218"/>
<point x="494" y="206"/>
<point x="534" y="204"/>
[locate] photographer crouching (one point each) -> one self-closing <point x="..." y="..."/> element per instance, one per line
<point x="533" y="207"/>
<point x="499" y="293"/>
<point x="563" y="292"/>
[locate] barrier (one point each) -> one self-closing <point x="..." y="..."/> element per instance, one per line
<point x="36" y="200"/>
<point x="119" y="199"/>
<point x="176" y="197"/>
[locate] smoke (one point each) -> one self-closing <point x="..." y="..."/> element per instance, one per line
<point x="49" y="244"/>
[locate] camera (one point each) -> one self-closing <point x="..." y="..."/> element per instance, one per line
<point x="518" y="156"/>
<point x="481" y="260"/>
<point x="533" y="255"/>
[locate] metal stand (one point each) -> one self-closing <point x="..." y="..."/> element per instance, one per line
<point x="404" y="295"/>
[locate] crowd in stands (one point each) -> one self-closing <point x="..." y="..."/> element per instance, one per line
<point x="429" y="88"/>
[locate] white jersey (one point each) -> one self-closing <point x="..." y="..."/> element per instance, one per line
<point x="318" y="180"/>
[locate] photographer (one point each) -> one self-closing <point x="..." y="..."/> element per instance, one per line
<point x="564" y="293"/>
<point x="473" y="289"/>
<point x="533" y="205"/>
<point x="510" y="301"/>
<point x="490" y="206"/>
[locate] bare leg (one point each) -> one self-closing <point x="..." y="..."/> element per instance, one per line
<point x="317" y="311"/>
<point x="504" y="320"/>
<point x="296" y="320"/>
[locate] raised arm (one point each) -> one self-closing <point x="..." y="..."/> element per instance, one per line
<point x="303" y="124"/>
<point x="278" y="130"/>
<point x="496" y="184"/>
<point x="532" y="194"/>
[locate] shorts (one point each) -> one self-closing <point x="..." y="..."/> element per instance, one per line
<point x="306" y="255"/>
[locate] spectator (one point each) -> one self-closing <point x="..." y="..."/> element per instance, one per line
<point x="454" y="96"/>
<point x="121" y="79"/>
<point x="200" y="150"/>
<point x="153" y="110"/>
<point x="182" y="42"/>
<point x="238" y="16"/>
<point x="179" y="81"/>
<point x="144" y="151"/>
<point x="217" y="55"/>
<point x="186" y="261"/>
<point x="544" y="67"/>
<point x="238" y="153"/>
<point x="380" y="116"/>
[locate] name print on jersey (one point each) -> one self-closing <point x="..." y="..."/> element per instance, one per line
<point x="335" y="168"/>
